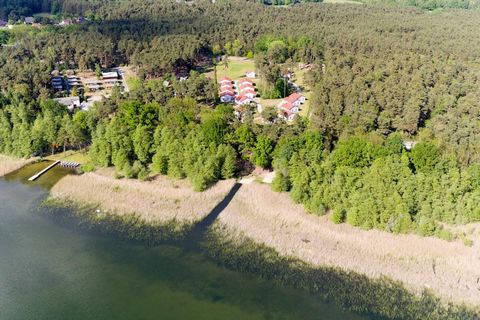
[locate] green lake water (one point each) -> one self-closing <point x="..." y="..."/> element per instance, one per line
<point x="52" y="271"/>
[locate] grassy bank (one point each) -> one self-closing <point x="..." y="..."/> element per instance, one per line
<point x="72" y="156"/>
<point x="10" y="164"/>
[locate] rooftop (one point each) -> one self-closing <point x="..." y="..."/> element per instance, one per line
<point x="293" y="97"/>
<point x="112" y="74"/>
<point x="68" y="101"/>
<point x="285" y="105"/>
<point x="245" y="80"/>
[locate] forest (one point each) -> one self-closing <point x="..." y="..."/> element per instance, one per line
<point x="16" y="9"/>
<point x="383" y="75"/>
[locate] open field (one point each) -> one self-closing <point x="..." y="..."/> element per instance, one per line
<point x="73" y="156"/>
<point x="237" y="66"/>
<point x="9" y="164"/>
<point x="450" y="269"/>
<point x="156" y="201"/>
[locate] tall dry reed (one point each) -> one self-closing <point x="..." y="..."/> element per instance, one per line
<point x="9" y="164"/>
<point x="159" y="200"/>
<point x="451" y="270"/>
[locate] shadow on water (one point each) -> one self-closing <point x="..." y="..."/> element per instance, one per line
<point x="196" y="235"/>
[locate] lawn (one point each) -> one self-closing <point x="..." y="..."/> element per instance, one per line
<point x="237" y="66"/>
<point x="72" y="156"/>
<point x="299" y="79"/>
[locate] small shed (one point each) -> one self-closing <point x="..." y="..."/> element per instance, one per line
<point x="110" y="75"/>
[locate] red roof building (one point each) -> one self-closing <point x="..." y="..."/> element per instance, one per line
<point x="247" y="89"/>
<point x="293" y="97"/>
<point x="227" y="92"/>
<point x="241" y="99"/>
<point x="226" y="87"/>
<point x="245" y="80"/>
<point x="246" y="85"/>
<point x="226" y="80"/>
<point x="285" y="105"/>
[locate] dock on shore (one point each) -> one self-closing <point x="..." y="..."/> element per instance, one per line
<point x="37" y="175"/>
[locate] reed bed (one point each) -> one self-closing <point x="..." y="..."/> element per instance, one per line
<point x="159" y="200"/>
<point x="450" y="269"/>
<point x="9" y="164"/>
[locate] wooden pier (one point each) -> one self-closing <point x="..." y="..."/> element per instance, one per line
<point x="37" y="175"/>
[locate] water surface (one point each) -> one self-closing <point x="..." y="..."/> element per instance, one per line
<point x="51" y="271"/>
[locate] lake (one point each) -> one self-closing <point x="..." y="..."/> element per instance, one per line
<point x="53" y="271"/>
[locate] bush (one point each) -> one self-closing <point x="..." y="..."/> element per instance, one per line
<point x="87" y="167"/>
<point x="353" y="217"/>
<point x="338" y="215"/>
<point x="280" y="183"/>
<point x="426" y="226"/>
<point x="445" y="235"/>
<point x="143" y="174"/>
<point x="425" y="156"/>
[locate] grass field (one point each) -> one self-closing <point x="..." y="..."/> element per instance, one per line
<point x="73" y="156"/>
<point x="237" y="66"/>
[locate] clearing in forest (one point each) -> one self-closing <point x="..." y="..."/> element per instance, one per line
<point x="235" y="68"/>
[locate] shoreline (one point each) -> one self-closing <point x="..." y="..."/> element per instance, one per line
<point x="450" y="269"/>
<point x="9" y="164"/>
<point x="379" y="297"/>
<point x="287" y="232"/>
<point x="156" y="201"/>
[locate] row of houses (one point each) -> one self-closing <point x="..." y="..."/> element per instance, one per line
<point x="290" y="106"/>
<point x="108" y="81"/>
<point x="32" y="20"/>
<point x="241" y="92"/>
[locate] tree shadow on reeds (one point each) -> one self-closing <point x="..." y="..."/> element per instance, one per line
<point x="197" y="234"/>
